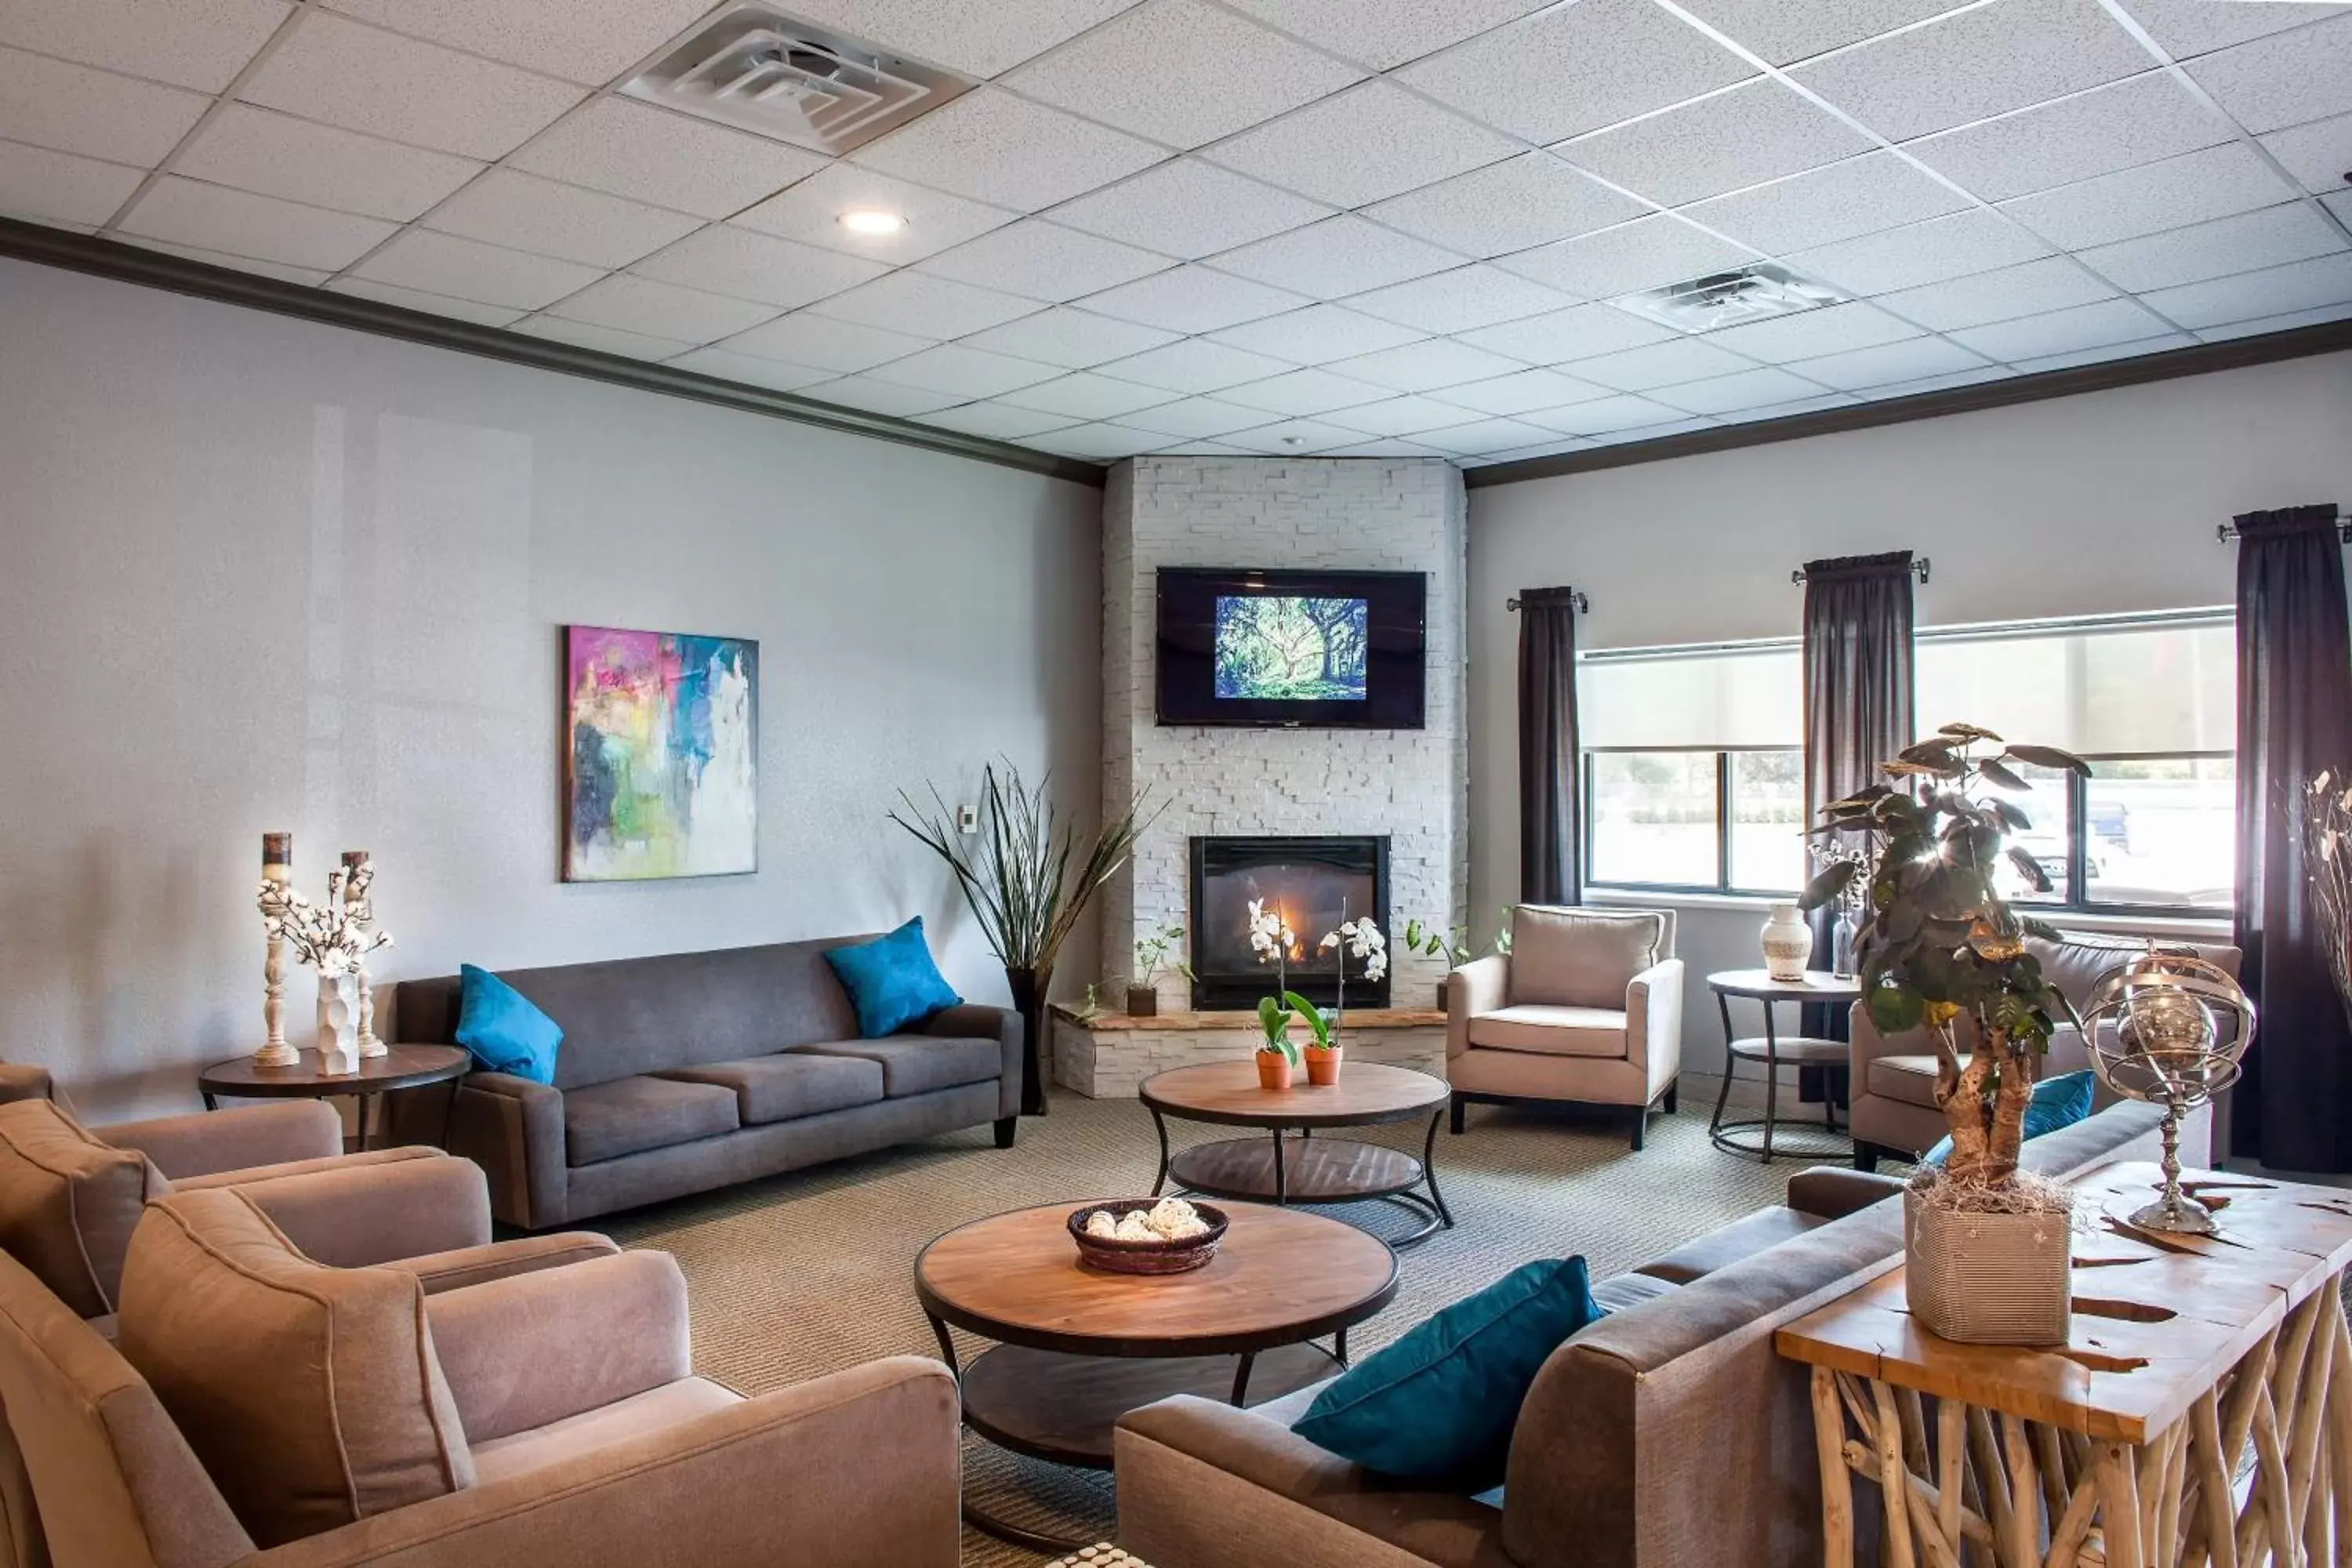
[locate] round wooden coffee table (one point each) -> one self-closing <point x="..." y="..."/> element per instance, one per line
<point x="1308" y="1169"/>
<point x="400" y="1067"/>
<point x="1077" y="1347"/>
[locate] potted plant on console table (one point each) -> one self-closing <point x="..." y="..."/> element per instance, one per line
<point x="1986" y="1246"/>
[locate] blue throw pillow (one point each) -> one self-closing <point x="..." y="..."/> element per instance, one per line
<point x="2057" y="1103"/>
<point x="892" y="981"/>
<point x="1439" y="1405"/>
<point x="506" y="1033"/>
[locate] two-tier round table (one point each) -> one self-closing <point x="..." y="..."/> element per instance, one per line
<point x="1776" y="1050"/>
<point x="400" y="1067"/>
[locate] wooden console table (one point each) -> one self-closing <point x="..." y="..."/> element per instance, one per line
<point x="2121" y="1447"/>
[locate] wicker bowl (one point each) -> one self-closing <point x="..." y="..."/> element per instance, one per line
<point x="1145" y="1256"/>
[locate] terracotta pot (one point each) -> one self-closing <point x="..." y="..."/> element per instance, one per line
<point x="1323" y="1066"/>
<point x="1987" y="1279"/>
<point x="1143" y="1000"/>
<point x="1272" y="1070"/>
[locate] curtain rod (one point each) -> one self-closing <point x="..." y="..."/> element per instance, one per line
<point x="1917" y="569"/>
<point x="1575" y="597"/>
<point x="2228" y="532"/>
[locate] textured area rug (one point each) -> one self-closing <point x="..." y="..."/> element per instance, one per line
<point x="805" y="1274"/>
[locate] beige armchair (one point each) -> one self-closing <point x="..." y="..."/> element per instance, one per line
<point x="1586" y="1009"/>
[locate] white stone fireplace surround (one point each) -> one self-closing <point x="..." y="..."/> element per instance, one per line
<point x="1289" y="513"/>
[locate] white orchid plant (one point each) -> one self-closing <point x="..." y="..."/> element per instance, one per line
<point x="1271" y="938"/>
<point x="332" y="938"/>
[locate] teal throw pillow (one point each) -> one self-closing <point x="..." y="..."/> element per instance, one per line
<point x="2057" y="1103"/>
<point x="1439" y="1405"/>
<point x="891" y="981"/>
<point x="498" y="1025"/>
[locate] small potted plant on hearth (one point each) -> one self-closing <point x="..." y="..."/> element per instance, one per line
<point x="1940" y="949"/>
<point x="1449" y="943"/>
<point x="1150" y="962"/>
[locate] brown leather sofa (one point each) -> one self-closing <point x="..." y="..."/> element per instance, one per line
<point x="695" y="1070"/>
<point x="1668" y="1433"/>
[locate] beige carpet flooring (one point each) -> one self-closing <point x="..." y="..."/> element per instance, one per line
<point x="804" y="1274"/>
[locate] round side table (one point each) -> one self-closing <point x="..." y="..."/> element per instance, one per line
<point x="400" y="1067"/>
<point x="1776" y="1050"/>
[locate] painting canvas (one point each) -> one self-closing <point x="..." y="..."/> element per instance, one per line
<point x="1291" y="649"/>
<point x="662" y="774"/>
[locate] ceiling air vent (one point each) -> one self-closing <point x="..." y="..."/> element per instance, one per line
<point x="762" y="71"/>
<point x="1725" y="298"/>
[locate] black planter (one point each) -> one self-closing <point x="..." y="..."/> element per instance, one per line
<point x="1029" y="986"/>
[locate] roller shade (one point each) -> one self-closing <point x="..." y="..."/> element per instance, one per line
<point x="1718" y="698"/>
<point x="2094" y="687"/>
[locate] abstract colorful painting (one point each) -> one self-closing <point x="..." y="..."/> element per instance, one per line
<point x="662" y="776"/>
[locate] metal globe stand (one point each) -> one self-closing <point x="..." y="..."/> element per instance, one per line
<point x="2152" y="1035"/>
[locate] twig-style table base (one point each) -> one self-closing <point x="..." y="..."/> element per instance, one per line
<point x="2122" y="1447"/>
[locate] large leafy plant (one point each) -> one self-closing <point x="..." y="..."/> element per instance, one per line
<point x="1939" y="948"/>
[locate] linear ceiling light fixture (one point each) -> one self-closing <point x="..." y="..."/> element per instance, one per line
<point x="872" y="221"/>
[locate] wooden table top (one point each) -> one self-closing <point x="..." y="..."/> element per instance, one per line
<point x="2157" y="1322"/>
<point x="1818" y="985"/>
<point x="401" y="1067"/>
<point x="1279" y="1275"/>
<point x="1227" y="1093"/>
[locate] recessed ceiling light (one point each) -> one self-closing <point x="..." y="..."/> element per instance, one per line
<point x="872" y="220"/>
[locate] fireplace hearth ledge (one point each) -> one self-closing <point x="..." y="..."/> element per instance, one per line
<point x="1109" y="1056"/>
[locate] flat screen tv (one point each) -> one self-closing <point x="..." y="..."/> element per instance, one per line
<point x="1300" y="650"/>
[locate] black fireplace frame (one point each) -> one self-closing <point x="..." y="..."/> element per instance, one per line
<point x="1214" y="992"/>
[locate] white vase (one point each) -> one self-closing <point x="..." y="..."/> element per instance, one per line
<point x="1788" y="943"/>
<point x="338" y="1025"/>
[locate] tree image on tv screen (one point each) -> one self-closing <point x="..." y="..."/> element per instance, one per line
<point x="1291" y="649"/>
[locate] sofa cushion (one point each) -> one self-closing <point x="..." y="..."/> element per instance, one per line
<point x="790" y="1084"/>
<point x="1551" y="1031"/>
<point x="69" y="1202"/>
<point x="312" y="1394"/>
<point x="1911" y="1079"/>
<point x="1729" y="1244"/>
<point x="892" y="981"/>
<point x="655" y="1410"/>
<point x="630" y="1115"/>
<point x="917" y="1064"/>
<point x="1581" y="958"/>
<point x="503" y="1029"/>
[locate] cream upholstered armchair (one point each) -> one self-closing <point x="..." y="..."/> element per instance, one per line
<point x="1586" y="1009"/>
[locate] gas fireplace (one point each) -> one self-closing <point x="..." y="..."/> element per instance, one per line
<point x="1315" y="883"/>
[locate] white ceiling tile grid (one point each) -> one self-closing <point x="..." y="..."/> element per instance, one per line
<point x="1072" y="340"/>
<point x="72" y="108"/>
<point x="216" y="218"/>
<point x="1755" y="133"/>
<point x="628" y="303"/>
<point x="1187" y="209"/>
<point x="585" y="41"/>
<point x="605" y="340"/>
<point x="1317" y="334"/>
<point x="1374" y="140"/>
<point x="772" y="375"/>
<point x="1526" y="201"/>
<point x="2319" y="153"/>
<point x="628" y="149"/>
<point x="2136" y="120"/>
<point x="1340" y="255"/>
<point x="197" y="44"/>
<point x="276" y="154"/>
<point x="1194" y="299"/>
<point x="524" y="212"/>
<point x="42" y="186"/>
<point x="1045" y="261"/>
<point x="2194" y="187"/>
<point x="811" y="213"/>
<point x="725" y="259"/>
<point x="996" y="148"/>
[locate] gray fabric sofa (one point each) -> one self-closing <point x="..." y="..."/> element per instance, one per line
<point x="695" y="1070"/>
<point x="1667" y="1433"/>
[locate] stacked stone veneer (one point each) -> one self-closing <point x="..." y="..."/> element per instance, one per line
<point x="1107" y="1063"/>
<point x="1345" y="514"/>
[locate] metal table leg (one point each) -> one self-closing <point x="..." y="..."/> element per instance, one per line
<point x="1159" y="1125"/>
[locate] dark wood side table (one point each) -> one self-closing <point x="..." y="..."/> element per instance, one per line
<point x="401" y="1067"/>
<point x="1776" y="1050"/>
<point x="1079" y="1347"/>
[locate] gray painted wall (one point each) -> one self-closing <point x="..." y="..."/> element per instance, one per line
<point x="259" y="574"/>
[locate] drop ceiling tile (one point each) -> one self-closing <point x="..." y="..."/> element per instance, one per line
<point x="1107" y="442"/>
<point x="825" y="343"/>
<point x="1192" y="299"/>
<point x="1317" y="334"/>
<point x="996" y="148"/>
<point x="1195" y="419"/>
<point x="1484" y="435"/>
<point x="1403" y="416"/>
<point x="978" y="38"/>
<point x="2288" y="323"/>
<point x="2287" y="79"/>
<point x="1812" y="333"/>
<point x="1579" y="332"/>
<point x="431" y="304"/>
<point x="1605" y="416"/>
<point x="2321" y="282"/>
<point x="1426" y="366"/>
<point x="216" y="218"/>
<point x="2195" y="186"/>
<point x="1908" y="361"/>
<point x="1195" y="365"/>
<point x="1976" y="377"/>
<point x="97" y="114"/>
<point x="586" y="41"/>
<point x="1746" y="390"/>
<point x="1784" y="31"/>
<point x="199" y="44"/>
<point x="2052" y="283"/>
<point x="773" y="374"/>
<point x="302" y="160"/>
<point x="966" y="371"/>
<point x="1660" y="364"/>
<point x="1187" y="209"/>
<point x="1643" y="254"/>
<point x="1302" y="392"/>
<point x="628" y="149"/>
<point x="1340" y="255"/>
<point x="1921" y="253"/>
<point x="1656" y="432"/>
<point x="1371" y="141"/>
<point x="880" y="396"/>
<point x="1755" y="133"/>
<point x="1409" y="450"/>
<point x="1380" y="33"/>
<point x="736" y="262"/>
<point x="1975" y="63"/>
<point x="2319" y="154"/>
<point x="2135" y="122"/>
<point x="2340" y="204"/>
<point x="810" y="211"/>
<point x="1860" y="196"/>
<point x="2104" y="352"/>
<point x="604" y="340"/>
<point x="2060" y="332"/>
<point x="524" y="212"/>
<point x="1522" y="392"/>
<point x="489" y="274"/>
<point x="998" y="421"/>
<point x="310" y="277"/>
<point x="1295" y="436"/>
<point x="1573" y="69"/>
<point x="1813" y="405"/>
<point x="1460" y="301"/>
<point x="364" y="78"/>
<point x="933" y="307"/>
<point x="2246" y="243"/>
<point x="2191" y="27"/>
<point x="628" y="303"/>
<point x="1521" y="202"/>
<point x="1043" y="261"/>
<point x="1072" y="340"/>
<point x="1088" y="395"/>
<point x="58" y="187"/>
<point x="1181" y="72"/>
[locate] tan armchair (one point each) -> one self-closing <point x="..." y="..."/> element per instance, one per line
<point x="1586" y="1009"/>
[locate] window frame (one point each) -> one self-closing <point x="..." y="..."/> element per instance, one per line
<point x="2078" y="844"/>
<point x="1722" y="887"/>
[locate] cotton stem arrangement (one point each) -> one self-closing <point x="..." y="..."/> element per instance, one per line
<point x="332" y="937"/>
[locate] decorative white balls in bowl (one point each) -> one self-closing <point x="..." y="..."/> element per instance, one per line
<point x="1146" y="1235"/>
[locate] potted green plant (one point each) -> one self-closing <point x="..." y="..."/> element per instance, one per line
<point x="1150" y="962"/>
<point x="1277" y="1055"/>
<point x="1941" y="951"/>
<point x="1449" y="943"/>
<point x="1361" y="939"/>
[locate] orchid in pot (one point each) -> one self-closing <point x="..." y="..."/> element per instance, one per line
<point x="1358" y="939"/>
<point x="1272" y="938"/>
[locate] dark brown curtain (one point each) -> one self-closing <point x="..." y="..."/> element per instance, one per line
<point x="1857" y="700"/>
<point x="1551" y="869"/>
<point x="2293" y="1108"/>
